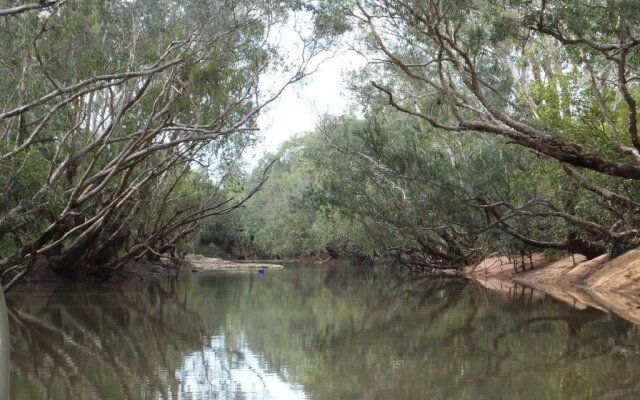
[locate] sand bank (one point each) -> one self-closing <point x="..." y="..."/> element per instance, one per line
<point x="205" y="263"/>
<point x="609" y="285"/>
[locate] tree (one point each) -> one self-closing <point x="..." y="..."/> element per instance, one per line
<point x="557" y="79"/>
<point x="123" y="103"/>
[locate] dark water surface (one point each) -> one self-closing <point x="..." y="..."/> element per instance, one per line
<point x="313" y="334"/>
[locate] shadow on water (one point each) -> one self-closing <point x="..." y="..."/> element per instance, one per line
<point x="100" y="343"/>
<point x="314" y="333"/>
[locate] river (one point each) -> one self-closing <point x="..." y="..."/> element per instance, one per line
<point x="313" y="333"/>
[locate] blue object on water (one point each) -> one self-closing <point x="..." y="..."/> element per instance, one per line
<point x="261" y="270"/>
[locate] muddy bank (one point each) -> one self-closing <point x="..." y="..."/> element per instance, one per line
<point x="609" y="285"/>
<point x="144" y="270"/>
<point x="217" y="264"/>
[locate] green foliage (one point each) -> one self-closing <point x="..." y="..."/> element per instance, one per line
<point x="284" y="219"/>
<point x="390" y="182"/>
<point x="123" y="123"/>
<point x="138" y="161"/>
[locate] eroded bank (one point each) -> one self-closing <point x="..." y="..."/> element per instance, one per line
<point x="611" y="285"/>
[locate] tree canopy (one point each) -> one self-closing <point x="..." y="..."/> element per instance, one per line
<point x="478" y="126"/>
<point x="121" y="122"/>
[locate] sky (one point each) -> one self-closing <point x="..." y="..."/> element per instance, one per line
<point x="226" y="367"/>
<point x="300" y="106"/>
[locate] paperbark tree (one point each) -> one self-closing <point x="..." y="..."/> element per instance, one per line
<point x="108" y="107"/>
<point x="558" y="78"/>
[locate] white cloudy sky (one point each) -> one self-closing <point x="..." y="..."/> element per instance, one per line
<point x="298" y="109"/>
<point x="301" y="105"/>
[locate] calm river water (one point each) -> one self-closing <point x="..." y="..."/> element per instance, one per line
<point x="313" y="333"/>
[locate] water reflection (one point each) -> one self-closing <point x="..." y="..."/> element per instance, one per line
<point x="100" y="343"/>
<point x="222" y="372"/>
<point x="317" y="334"/>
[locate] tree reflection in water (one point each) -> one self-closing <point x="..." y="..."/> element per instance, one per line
<point x="103" y="343"/>
<point x="315" y="333"/>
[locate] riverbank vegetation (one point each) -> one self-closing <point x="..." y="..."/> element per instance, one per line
<point x="122" y="123"/>
<point x="477" y="126"/>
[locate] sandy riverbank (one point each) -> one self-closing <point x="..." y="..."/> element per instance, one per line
<point x="609" y="285"/>
<point x="218" y="264"/>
